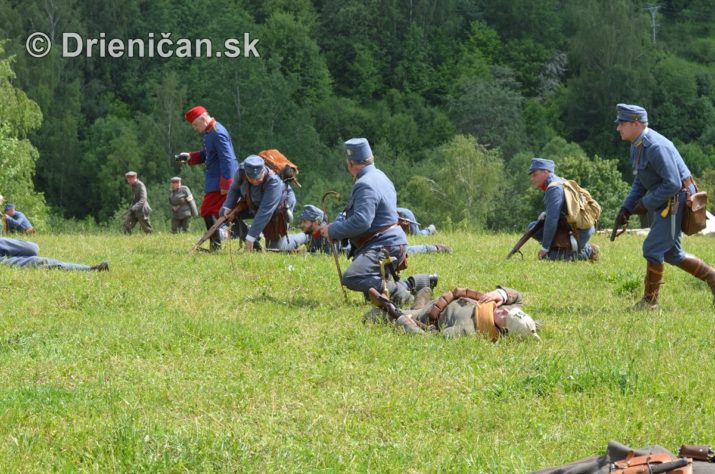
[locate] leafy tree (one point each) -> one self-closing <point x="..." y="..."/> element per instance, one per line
<point x="490" y="110"/>
<point x="465" y="186"/>
<point x="18" y="116"/>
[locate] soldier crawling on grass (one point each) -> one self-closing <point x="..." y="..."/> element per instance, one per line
<point x="265" y="198"/>
<point x="559" y="241"/>
<point x="312" y="218"/>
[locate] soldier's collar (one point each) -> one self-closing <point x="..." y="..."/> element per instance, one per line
<point x="639" y="141"/>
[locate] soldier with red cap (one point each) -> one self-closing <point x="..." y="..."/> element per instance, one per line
<point x="220" y="161"/>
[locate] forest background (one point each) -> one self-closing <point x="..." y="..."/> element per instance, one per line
<point x="455" y="96"/>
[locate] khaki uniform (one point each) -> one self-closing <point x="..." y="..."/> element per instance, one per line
<point x="139" y="210"/>
<point x="462" y="317"/>
<point x="183" y="208"/>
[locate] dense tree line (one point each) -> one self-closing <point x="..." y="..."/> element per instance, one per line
<point x="454" y="95"/>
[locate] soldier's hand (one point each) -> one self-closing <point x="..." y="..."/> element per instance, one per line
<point x="248" y="246"/>
<point x="623" y="216"/>
<point x="223" y="211"/>
<point x="639" y="208"/>
<point x="492" y="296"/>
<point x="542" y="254"/>
<point x="324" y="232"/>
<point x="182" y="157"/>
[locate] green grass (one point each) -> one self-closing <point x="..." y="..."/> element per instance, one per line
<point x="173" y="362"/>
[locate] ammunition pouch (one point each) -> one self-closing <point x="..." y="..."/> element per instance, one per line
<point x="446" y="298"/>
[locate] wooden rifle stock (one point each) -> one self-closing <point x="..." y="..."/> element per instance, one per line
<point x="527" y="235"/>
<point x="240" y="206"/>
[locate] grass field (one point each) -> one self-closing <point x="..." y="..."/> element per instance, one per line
<point x="173" y="362"/>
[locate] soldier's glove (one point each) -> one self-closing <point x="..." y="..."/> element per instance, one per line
<point x="182" y="157"/>
<point x="639" y="208"/>
<point x="623" y="216"/>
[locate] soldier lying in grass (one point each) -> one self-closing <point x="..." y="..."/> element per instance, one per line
<point x="460" y="312"/>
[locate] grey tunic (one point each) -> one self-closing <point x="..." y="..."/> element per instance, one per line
<point x="182" y="203"/>
<point x="457" y="319"/>
<point x="140" y="204"/>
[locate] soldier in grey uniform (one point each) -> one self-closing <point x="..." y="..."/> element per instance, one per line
<point x="373" y="230"/>
<point x="661" y="185"/>
<point x="183" y="206"/>
<point x="463" y="312"/>
<point x="139" y="210"/>
<point x="21" y="253"/>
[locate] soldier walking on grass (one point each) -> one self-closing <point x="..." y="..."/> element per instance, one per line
<point x="183" y="207"/>
<point x="220" y="162"/>
<point x="139" y="210"/>
<point x="662" y="181"/>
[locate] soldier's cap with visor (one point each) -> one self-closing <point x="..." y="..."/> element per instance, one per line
<point x="9" y="206"/>
<point x="253" y="165"/>
<point x="175" y="179"/>
<point x="130" y="174"/>
<point x="194" y="113"/>
<point x="311" y="213"/>
<point x="518" y="323"/>
<point x="630" y="113"/>
<point x="541" y="164"/>
<point x="358" y="149"/>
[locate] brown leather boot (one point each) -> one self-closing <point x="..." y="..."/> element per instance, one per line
<point x="699" y="269"/>
<point x="653" y="280"/>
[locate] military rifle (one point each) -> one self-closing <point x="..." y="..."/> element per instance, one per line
<point x="527" y="235"/>
<point x="240" y="206"/>
<point x="621" y="217"/>
<point x="333" y="245"/>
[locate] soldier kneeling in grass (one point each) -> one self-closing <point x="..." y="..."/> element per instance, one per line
<point x="460" y="312"/>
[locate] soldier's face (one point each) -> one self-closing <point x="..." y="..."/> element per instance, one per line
<point x="201" y="122"/>
<point x="538" y="177"/>
<point x="175" y="185"/>
<point x="308" y="226"/>
<point x="629" y="131"/>
<point x="256" y="181"/>
<point x="10" y="212"/>
<point x="131" y="179"/>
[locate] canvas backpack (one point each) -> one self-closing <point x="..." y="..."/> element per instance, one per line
<point x="285" y="168"/>
<point x="582" y="211"/>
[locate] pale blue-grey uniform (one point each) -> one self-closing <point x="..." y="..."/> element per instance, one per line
<point x="17" y="223"/>
<point x="372" y="209"/>
<point x="554" y="209"/>
<point x="415" y="228"/>
<point x="267" y="197"/>
<point x="659" y="175"/>
<point x="22" y="253"/>
<point x="424" y="248"/>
